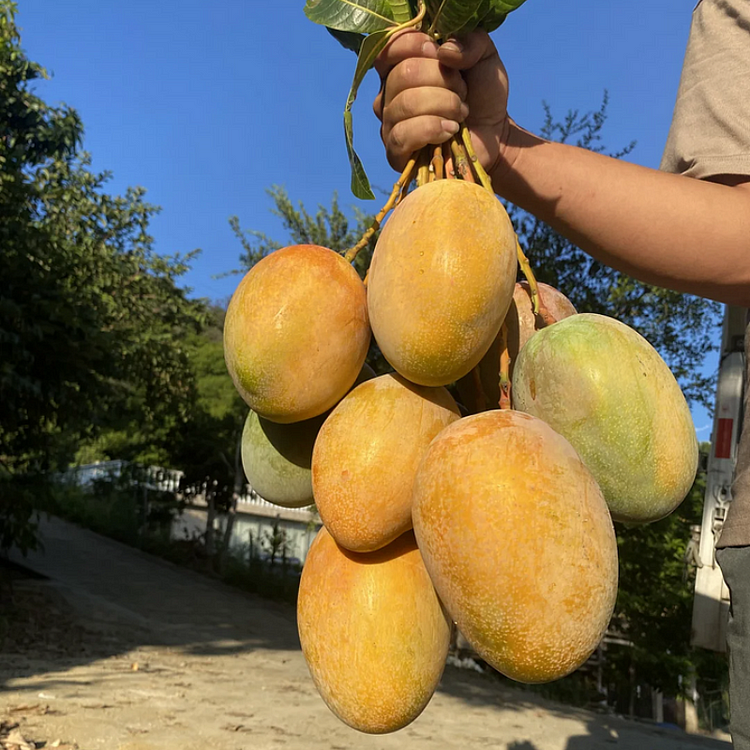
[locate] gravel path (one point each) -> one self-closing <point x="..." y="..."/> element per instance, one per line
<point x="137" y="654"/>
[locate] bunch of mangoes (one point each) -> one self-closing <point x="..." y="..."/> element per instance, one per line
<point x="499" y="521"/>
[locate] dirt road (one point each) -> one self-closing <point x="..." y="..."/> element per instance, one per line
<point x="157" y="657"/>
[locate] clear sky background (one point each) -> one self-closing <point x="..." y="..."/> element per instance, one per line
<point x="208" y="104"/>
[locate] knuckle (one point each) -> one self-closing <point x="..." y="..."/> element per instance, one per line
<point x="456" y="105"/>
<point x="397" y="139"/>
<point x="377" y="105"/>
<point x="404" y="105"/>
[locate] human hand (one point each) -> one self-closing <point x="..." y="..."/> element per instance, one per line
<point x="429" y="89"/>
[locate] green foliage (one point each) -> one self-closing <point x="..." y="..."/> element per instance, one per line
<point x="90" y="315"/>
<point x="655" y="596"/>
<point x="329" y="227"/>
<point x="457" y="17"/>
<point x="275" y="543"/>
<point x="681" y="327"/>
<point x="360" y="16"/>
<point x="247" y="571"/>
<point x="206" y="446"/>
<point x="121" y="506"/>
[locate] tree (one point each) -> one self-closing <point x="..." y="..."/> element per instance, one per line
<point x="207" y="448"/>
<point x="655" y="597"/>
<point x="329" y="228"/>
<point x="90" y="315"/>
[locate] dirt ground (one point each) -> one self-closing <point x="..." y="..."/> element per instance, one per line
<point x="118" y="650"/>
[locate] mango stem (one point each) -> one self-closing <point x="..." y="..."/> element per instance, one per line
<point x="505" y="384"/>
<point x="437" y="164"/>
<point x="523" y="261"/>
<point x="423" y="167"/>
<point x="352" y="253"/>
<point x="461" y="162"/>
<point x="484" y="178"/>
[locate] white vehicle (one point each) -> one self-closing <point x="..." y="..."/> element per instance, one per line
<point x="711" y="602"/>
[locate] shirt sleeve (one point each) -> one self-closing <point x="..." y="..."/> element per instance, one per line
<point x="710" y="132"/>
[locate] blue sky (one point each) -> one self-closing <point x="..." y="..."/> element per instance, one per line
<point x="208" y="104"/>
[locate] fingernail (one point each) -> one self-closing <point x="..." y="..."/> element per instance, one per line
<point x="464" y="111"/>
<point x="450" y="127"/>
<point x="429" y="48"/>
<point x="453" y="45"/>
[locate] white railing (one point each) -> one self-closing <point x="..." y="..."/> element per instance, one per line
<point x="251" y="497"/>
<point x="152" y="477"/>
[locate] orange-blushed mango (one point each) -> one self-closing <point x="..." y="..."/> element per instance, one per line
<point x="521" y="324"/>
<point x="441" y="280"/>
<point x="366" y="456"/>
<point x="373" y="632"/>
<point x="518" y="542"/>
<point x="296" y="333"/>
<point x="606" y="389"/>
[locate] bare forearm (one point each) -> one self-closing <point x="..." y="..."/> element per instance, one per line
<point x="672" y="231"/>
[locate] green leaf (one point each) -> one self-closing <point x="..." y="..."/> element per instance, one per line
<point x="347" y="39"/>
<point x="498" y="13"/>
<point x="370" y="49"/>
<point x="458" y="17"/>
<point x="360" y="184"/>
<point x="402" y="10"/>
<point x="451" y="17"/>
<point x="358" y="16"/>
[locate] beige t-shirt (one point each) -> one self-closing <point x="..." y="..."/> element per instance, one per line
<point x="710" y="133"/>
<point x="710" y="136"/>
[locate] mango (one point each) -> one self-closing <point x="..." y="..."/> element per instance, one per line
<point x="521" y="321"/>
<point x="600" y="384"/>
<point x="296" y="333"/>
<point x="373" y="632"/>
<point x="277" y="458"/>
<point x="367" y="453"/>
<point x="441" y="280"/>
<point x="518" y="542"/>
<point x="521" y="324"/>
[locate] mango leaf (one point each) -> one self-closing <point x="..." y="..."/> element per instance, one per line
<point x="358" y="16"/>
<point x="450" y="17"/>
<point x="457" y="17"/>
<point x="369" y="50"/>
<point x="498" y="13"/>
<point x="347" y="39"/>
<point x="403" y="10"/>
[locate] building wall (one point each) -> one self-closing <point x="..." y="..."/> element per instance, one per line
<point x="253" y="526"/>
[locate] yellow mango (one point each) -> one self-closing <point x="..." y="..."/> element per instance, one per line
<point x="367" y="453"/>
<point x="441" y="280"/>
<point x="521" y="324"/>
<point x="296" y="333"/>
<point x="518" y="542"/>
<point x="373" y="632"/>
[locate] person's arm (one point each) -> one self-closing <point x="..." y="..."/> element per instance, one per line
<point x="673" y="231"/>
<point x="678" y="232"/>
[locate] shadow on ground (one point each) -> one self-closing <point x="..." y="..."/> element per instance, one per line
<point x="100" y="599"/>
<point x="92" y="597"/>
